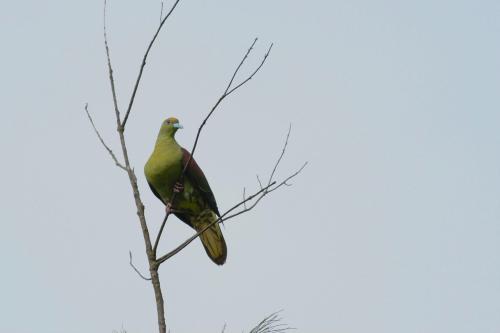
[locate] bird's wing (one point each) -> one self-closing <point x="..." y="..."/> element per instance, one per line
<point x="197" y="178"/>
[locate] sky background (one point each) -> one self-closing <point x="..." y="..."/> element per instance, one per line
<point x="393" y="227"/>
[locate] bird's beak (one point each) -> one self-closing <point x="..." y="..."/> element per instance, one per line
<point x="177" y="125"/>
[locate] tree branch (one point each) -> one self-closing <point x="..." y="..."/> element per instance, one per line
<point x="143" y="64"/>
<point x="161" y="12"/>
<point x="157" y="241"/>
<point x="153" y="267"/>
<point x="110" y="70"/>
<point x="226" y="93"/>
<point x="254" y="72"/>
<point x="282" y="153"/>
<point x="258" y="196"/>
<point x="135" y="269"/>
<point x="170" y="254"/>
<point x="253" y="199"/>
<point x="113" y="156"/>
<point x="240" y="64"/>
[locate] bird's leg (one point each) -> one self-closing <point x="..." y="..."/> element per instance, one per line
<point x="178" y="187"/>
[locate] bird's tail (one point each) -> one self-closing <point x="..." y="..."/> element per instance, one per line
<point x="212" y="238"/>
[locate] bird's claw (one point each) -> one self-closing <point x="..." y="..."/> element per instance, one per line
<point x="178" y="187"/>
<point x="168" y="208"/>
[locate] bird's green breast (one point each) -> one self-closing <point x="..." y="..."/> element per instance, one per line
<point x="164" y="167"/>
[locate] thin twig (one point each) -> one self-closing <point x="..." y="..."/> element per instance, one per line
<point x="157" y="241"/>
<point x="282" y="153"/>
<point x="190" y="239"/>
<point x="240" y="64"/>
<point x="244" y="202"/>
<point x="135" y="269"/>
<point x="153" y="268"/>
<point x="258" y="180"/>
<point x="254" y="72"/>
<point x="226" y="93"/>
<point x="267" y="191"/>
<point x="113" y="156"/>
<point x="143" y="64"/>
<point x="110" y="70"/>
<point x="161" y="12"/>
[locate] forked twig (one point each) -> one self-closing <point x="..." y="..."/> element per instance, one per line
<point x="143" y="64"/>
<point x="244" y="198"/>
<point x="226" y="93"/>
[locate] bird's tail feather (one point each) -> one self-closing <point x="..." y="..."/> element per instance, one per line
<point x="212" y="238"/>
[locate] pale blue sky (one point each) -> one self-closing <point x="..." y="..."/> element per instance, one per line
<point x="393" y="227"/>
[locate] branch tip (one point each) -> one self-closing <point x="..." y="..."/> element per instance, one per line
<point x="135" y="269"/>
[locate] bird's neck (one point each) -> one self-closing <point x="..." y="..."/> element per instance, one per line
<point x="165" y="140"/>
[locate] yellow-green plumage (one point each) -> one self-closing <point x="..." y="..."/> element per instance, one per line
<point x="195" y="204"/>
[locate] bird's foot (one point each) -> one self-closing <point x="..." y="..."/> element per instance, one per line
<point x="178" y="187"/>
<point x="168" y="208"/>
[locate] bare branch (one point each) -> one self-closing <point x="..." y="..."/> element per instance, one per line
<point x="244" y="202"/>
<point x="240" y="64"/>
<point x="153" y="268"/>
<point x="135" y="269"/>
<point x="190" y="239"/>
<point x="143" y="64"/>
<point x="264" y="192"/>
<point x="110" y="70"/>
<point x="254" y="72"/>
<point x="157" y="241"/>
<point x="282" y="153"/>
<point x="113" y="156"/>
<point x="161" y="12"/>
<point x="258" y="180"/>
<point x="226" y="93"/>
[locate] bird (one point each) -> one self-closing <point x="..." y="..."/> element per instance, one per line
<point x="194" y="203"/>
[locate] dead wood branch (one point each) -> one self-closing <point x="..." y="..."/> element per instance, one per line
<point x="135" y="268"/>
<point x="143" y="64"/>
<point x="113" y="156"/>
<point x="226" y="93"/>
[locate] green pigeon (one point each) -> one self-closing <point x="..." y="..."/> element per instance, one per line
<point x="194" y="203"/>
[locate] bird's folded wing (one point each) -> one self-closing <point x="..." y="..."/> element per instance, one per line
<point x="199" y="181"/>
